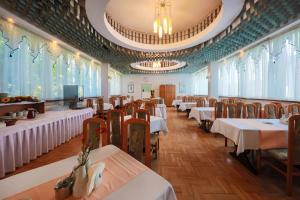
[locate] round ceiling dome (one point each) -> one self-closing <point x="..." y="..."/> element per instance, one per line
<point x="129" y="23"/>
<point x="158" y="66"/>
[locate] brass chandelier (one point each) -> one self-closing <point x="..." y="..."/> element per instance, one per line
<point x="162" y="22"/>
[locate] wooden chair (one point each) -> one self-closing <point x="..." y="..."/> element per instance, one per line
<point x="250" y="111"/>
<point x="128" y="109"/>
<point x="231" y="110"/>
<point x="200" y="102"/>
<point x="100" y="108"/>
<point x="150" y="107"/>
<point x="136" y="138"/>
<point x="92" y="128"/>
<point x="232" y="101"/>
<point x="184" y="99"/>
<point x="220" y="110"/>
<point x="279" y="109"/>
<point x="226" y="101"/>
<point x="240" y="111"/>
<point x="115" y="122"/>
<point x="89" y="103"/>
<point x="112" y="101"/>
<point x="142" y="114"/>
<point x="289" y="157"/>
<point x="294" y="108"/>
<point x="258" y="107"/>
<point x="212" y="102"/>
<point x="270" y="111"/>
<point x="154" y="137"/>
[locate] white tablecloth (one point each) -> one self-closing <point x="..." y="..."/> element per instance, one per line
<point x="106" y="106"/>
<point x="183" y="106"/>
<point x="253" y="134"/>
<point x="156" y="124"/>
<point x="147" y="185"/>
<point x="163" y="110"/>
<point x="176" y="102"/>
<point x="202" y="113"/>
<point x="29" y="139"/>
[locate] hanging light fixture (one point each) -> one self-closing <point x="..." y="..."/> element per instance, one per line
<point x="162" y="23"/>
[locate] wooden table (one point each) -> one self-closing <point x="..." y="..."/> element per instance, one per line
<point x="123" y="178"/>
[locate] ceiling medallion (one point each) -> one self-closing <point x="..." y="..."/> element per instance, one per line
<point x="158" y="66"/>
<point x="162" y="23"/>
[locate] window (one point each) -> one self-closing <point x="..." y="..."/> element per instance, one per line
<point x="270" y="70"/>
<point x="31" y="65"/>
<point x="200" y="82"/>
<point x="114" y="79"/>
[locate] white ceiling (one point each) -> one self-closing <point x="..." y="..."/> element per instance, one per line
<point x="139" y="14"/>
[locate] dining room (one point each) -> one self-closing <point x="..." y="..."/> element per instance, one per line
<point x="154" y="100"/>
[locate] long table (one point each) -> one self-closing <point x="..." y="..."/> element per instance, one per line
<point x="28" y="139"/>
<point x="253" y="134"/>
<point x="123" y="178"/>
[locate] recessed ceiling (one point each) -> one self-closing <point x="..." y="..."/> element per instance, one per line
<point x="138" y="15"/>
<point x="96" y="10"/>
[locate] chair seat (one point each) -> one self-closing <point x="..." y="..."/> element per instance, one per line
<point x="153" y="139"/>
<point x="279" y="154"/>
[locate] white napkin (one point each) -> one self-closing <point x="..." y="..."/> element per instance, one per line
<point x="95" y="173"/>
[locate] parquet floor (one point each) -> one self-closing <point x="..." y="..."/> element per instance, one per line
<point x="197" y="165"/>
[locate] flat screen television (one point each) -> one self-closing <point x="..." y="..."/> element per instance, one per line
<point x="73" y="94"/>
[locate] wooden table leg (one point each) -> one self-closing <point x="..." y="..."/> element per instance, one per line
<point x="258" y="159"/>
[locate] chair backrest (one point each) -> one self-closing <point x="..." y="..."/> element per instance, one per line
<point x="112" y="101"/>
<point x="200" y="102"/>
<point x="115" y="122"/>
<point x="184" y="98"/>
<point x="142" y="114"/>
<point x="89" y="103"/>
<point x="294" y="108"/>
<point x="232" y="100"/>
<point x="226" y="101"/>
<point x="92" y="128"/>
<point x="279" y="109"/>
<point x="212" y="102"/>
<point x="240" y="109"/>
<point x="294" y="140"/>
<point x="270" y="111"/>
<point x="150" y="107"/>
<point x="258" y="108"/>
<point x="190" y="99"/>
<point x="128" y="108"/>
<point x="250" y="111"/>
<point x="231" y="110"/>
<point x="220" y="110"/>
<point x="136" y="138"/>
<point x="100" y="105"/>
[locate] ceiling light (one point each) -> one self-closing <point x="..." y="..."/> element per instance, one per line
<point x="10" y="20"/>
<point x="162" y="23"/>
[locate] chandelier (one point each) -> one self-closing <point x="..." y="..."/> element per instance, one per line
<point x="162" y="23"/>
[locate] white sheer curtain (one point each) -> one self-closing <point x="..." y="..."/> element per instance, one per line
<point x="269" y="70"/>
<point x="200" y="82"/>
<point x="40" y="68"/>
<point x="114" y="79"/>
<point x="228" y="78"/>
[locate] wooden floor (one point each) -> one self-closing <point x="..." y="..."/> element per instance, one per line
<point x="197" y="165"/>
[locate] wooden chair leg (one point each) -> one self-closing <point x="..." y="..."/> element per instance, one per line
<point x="289" y="179"/>
<point x="226" y="142"/>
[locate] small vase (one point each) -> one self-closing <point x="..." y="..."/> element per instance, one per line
<point x="80" y="184"/>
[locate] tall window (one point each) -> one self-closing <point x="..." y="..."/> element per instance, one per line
<point x="200" y="82"/>
<point x="114" y="79"/>
<point x="269" y="70"/>
<point x="31" y="65"/>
